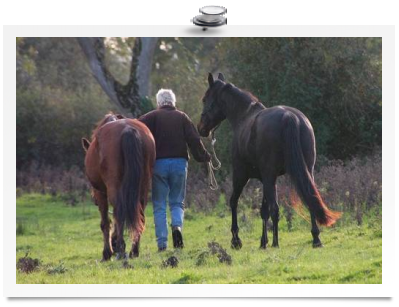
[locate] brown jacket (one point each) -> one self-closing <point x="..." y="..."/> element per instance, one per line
<point x="173" y="131"/>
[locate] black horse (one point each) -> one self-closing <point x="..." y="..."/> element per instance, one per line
<point x="267" y="143"/>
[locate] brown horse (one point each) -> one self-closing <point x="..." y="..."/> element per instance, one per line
<point x="267" y="143"/>
<point x="119" y="161"/>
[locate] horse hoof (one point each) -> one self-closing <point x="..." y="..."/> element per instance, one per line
<point x="107" y="254"/>
<point x="317" y="245"/>
<point x="133" y="254"/>
<point x="121" y="256"/>
<point x="263" y="243"/>
<point x="236" y="244"/>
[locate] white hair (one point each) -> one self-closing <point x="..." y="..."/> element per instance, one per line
<point x="166" y="97"/>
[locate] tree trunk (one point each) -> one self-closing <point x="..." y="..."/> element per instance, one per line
<point x="148" y="45"/>
<point x="125" y="97"/>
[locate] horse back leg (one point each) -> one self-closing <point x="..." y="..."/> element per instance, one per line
<point x="310" y="159"/>
<point x="135" y="246"/>
<point x="265" y="214"/>
<point x="118" y="242"/>
<point x="135" y="251"/>
<point x="101" y="201"/>
<point x="315" y="229"/>
<point x="270" y="202"/>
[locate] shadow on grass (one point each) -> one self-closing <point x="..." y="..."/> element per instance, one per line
<point x="187" y="278"/>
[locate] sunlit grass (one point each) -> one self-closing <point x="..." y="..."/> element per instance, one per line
<point x="68" y="242"/>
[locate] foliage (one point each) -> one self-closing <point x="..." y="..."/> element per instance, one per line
<point x="335" y="82"/>
<point x="146" y="105"/>
<point x="57" y="102"/>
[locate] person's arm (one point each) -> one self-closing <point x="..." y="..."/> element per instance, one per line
<point x="194" y="142"/>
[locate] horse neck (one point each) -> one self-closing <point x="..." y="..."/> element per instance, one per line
<point x="239" y="108"/>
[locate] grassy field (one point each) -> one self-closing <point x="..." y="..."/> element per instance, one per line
<point x="68" y="243"/>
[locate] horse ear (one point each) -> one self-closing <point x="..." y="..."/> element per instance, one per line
<point x="210" y="79"/>
<point x="221" y="77"/>
<point x="85" y="144"/>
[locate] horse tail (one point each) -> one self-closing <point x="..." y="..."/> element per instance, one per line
<point x="128" y="205"/>
<point x="297" y="170"/>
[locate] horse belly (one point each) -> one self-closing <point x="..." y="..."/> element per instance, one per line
<point x="254" y="172"/>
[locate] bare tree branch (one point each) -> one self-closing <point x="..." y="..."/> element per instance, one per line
<point x="93" y="48"/>
<point x="125" y="97"/>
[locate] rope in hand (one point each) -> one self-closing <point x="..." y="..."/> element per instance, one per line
<point x="213" y="185"/>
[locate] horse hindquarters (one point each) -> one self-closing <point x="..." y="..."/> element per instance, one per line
<point x="302" y="178"/>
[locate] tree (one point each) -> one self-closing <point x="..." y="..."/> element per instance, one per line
<point x="335" y="82"/>
<point x="127" y="97"/>
<point x="57" y="102"/>
<point x="145" y="64"/>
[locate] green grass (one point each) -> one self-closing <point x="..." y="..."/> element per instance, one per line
<point x="68" y="242"/>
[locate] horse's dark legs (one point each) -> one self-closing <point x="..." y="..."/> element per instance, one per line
<point x="275" y="214"/>
<point x="135" y="247"/>
<point x="238" y="185"/>
<point x="102" y="203"/>
<point x="315" y="229"/>
<point x="235" y="241"/>
<point x="137" y="234"/>
<point x="270" y="197"/>
<point x="264" y="213"/>
<point x="114" y="237"/>
<point x="315" y="232"/>
<point x="120" y="243"/>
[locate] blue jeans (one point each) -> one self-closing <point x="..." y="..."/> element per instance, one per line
<point x="168" y="180"/>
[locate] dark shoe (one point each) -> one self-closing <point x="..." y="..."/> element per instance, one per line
<point x="161" y="249"/>
<point x="177" y="237"/>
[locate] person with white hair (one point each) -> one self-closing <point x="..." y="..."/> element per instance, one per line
<point x="173" y="132"/>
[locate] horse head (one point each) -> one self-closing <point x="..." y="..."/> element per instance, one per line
<point x="212" y="112"/>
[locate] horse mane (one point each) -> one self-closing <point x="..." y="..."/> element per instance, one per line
<point x="252" y="96"/>
<point x="242" y="95"/>
<point x="110" y="116"/>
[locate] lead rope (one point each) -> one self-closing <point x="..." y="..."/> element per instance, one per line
<point x="213" y="185"/>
